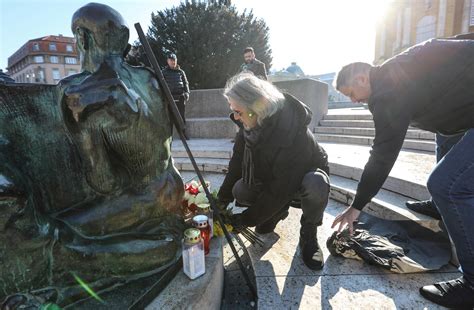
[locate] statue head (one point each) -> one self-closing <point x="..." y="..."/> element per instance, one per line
<point x="99" y="30"/>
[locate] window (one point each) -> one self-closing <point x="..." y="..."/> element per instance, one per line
<point x="39" y="59"/>
<point x="426" y="29"/>
<point x="54" y="59"/>
<point x="52" y="47"/>
<point x="471" y="19"/>
<point x="71" y="72"/>
<point x="36" y="47"/>
<point x="71" y="60"/>
<point x="41" y="75"/>
<point x="56" y="74"/>
<point x="69" y="48"/>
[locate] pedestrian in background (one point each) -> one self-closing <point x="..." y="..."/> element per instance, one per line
<point x="178" y="84"/>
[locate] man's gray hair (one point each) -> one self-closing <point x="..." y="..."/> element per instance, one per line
<point x="257" y="95"/>
<point x="346" y="74"/>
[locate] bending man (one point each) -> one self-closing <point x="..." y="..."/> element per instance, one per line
<point x="429" y="86"/>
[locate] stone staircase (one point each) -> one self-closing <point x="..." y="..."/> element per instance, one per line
<point x="277" y="268"/>
<point x="347" y="138"/>
<point x="359" y="129"/>
<point x="406" y="182"/>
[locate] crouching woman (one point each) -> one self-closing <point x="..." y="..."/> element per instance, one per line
<point x="276" y="163"/>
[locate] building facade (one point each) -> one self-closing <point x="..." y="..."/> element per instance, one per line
<point x="333" y="95"/>
<point x="44" y="60"/>
<point x="408" y="22"/>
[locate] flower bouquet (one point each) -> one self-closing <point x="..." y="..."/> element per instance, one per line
<point x="195" y="197"/>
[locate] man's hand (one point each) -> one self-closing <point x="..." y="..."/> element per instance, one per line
<point x="186" y="96"/>
<point x="349" y="216"/>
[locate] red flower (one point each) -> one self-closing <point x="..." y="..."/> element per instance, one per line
<point x="192" y="207"/>
<point x="193" y="190"/>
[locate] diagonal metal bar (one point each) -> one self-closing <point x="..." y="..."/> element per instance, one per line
<point x="179" y="124"/>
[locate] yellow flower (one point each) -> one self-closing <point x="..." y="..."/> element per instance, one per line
<point x="218" y="231"/>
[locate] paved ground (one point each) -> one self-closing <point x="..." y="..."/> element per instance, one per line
<point x="284" y="282"/>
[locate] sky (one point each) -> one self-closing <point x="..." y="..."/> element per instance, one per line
<point x="319" y="35"/>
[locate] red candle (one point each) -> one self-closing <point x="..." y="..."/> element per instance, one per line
<point x="201" y="222"/>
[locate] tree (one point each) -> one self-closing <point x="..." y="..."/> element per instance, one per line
<point x="208" y="38"/>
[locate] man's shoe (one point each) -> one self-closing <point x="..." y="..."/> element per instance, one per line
<point x="310" y="249"/>
<point x="458" y="293"/>
<point x="269" y="226"/>
<point x="426" y="207"/>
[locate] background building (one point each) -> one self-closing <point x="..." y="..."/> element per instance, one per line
<point x="295" y="69"/>
<point x="44" y="60"/>
<point x="408" y="22"/>
<point x="333" y="95"/>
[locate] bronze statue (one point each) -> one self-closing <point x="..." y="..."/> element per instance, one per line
<point x="88" y="162"/>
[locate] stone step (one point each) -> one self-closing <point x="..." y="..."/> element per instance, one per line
<point x="408" y="176"/>
<point x="355" y="117"/>
<point x="351" y="131"/>
<point x="202" y="153"/>
<point x="386" y="204"/>
<point x="347" y="123"/>
<point x="389" y="203"/>
<point x="203" y="292"/>
<point x="205" y="164"/>
<point x="210" y="128"/>
<point x="396" y="185"/>
<point x="419" y="145"/>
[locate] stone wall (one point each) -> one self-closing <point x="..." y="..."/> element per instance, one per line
<point x="207" y="110"/>
<point x="312" y="92"/>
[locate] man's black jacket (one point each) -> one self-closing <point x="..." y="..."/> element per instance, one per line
<point x="285" y="152"/>
<point x="429" y="86"/>
<point x="176" y="80"/>
<point x="257" y="67"/>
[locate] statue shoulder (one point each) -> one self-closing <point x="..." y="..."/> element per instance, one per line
<point x="73" y="79"/>
<point x="139" y="69"/>
<point x="143" y="74"/>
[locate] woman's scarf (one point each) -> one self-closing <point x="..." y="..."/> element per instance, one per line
<point x="251" y="138"/>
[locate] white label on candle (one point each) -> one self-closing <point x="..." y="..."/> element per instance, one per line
<point x="194" y="262"/>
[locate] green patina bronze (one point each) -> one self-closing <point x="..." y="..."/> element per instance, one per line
<point x="92" y="186"/>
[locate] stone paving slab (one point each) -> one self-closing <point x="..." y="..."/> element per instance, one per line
<point x="284" y="282"/>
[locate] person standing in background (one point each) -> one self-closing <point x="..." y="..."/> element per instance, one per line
<point x="178" y="84"/>
<point x="253" y="65"/>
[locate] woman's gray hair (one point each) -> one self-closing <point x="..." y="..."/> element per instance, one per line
<point x="257" y="95"/>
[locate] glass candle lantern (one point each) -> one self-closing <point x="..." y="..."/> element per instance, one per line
<point x="201" y="223"/>
<point x="193" y="254"/>
<point x="204" y="209"/>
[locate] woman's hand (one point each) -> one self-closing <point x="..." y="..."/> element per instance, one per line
<point x="348" y="216"/>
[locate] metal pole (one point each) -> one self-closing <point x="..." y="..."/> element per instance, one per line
<point x="179" y="124"/>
